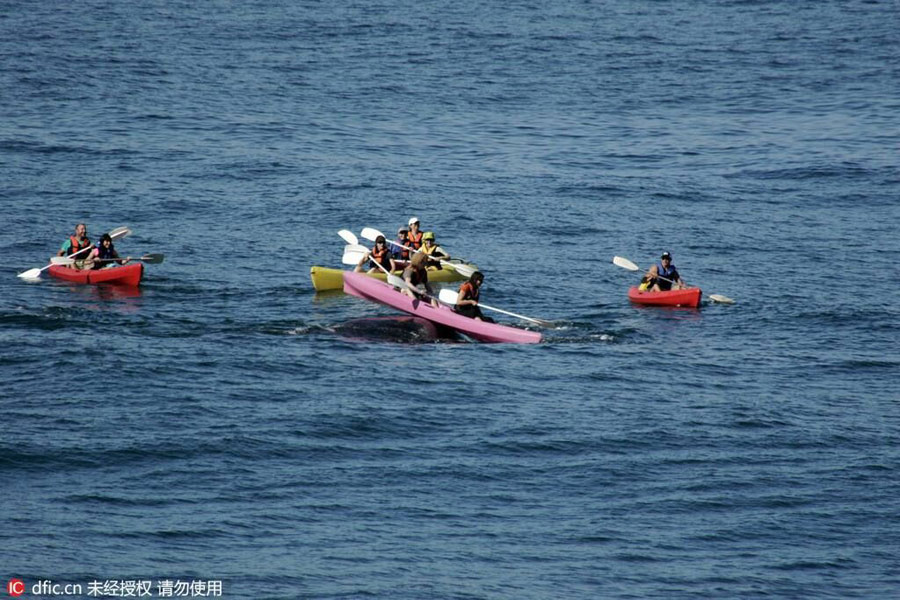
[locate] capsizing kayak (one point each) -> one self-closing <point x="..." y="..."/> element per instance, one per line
<point x="689" y="297"/>
<point x="130" y="274"/>
<point x="325" y="279"/>
<point x="369" y="288"/>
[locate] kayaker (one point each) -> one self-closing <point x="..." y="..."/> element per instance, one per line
<point x="467" y="300"/>
<point x="432" y="250"/>
<point x="416" y="278"/>
<point x="105" y="254"/>
<point x="379" y="255"/>
<point x="398" y="252"/>
<point x="661" y="276"/>
<point x="414" y="236"/>
<point x="77" y="245"/>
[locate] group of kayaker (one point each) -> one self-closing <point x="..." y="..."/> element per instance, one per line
<point x="424" y="251"/>
<point x="395" y="255"/>
<point x="413" y="251"/>
<point x="91" y="256"/>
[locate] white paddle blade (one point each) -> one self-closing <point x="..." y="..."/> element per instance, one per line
<point x="448" y="296"/>
<point x="620" y="261"/>
<point x="370" y="233"/>
<point x="352" y="258"/>
<point x="721" y="299"/>
<point x="462" y="269"/>
<point x="348" y="236"/>
<point x="119" y="232"/>
<point x="31" y="274"/>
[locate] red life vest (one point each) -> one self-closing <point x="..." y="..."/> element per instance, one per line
<point x="379" y="255"/>
<point x="76" y="245"/>
<point x="415" y="240"/>
<point x="469" y="291"/>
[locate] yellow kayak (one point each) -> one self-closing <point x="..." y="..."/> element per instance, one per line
<point x="324" y="279"/>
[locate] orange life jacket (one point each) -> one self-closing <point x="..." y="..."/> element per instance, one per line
<point x="469" y="291"/>
<point x="77" y="246"/>
<point x="379" y="255"/>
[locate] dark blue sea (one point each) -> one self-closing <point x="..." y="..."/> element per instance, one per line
<point x="227" y="427"/>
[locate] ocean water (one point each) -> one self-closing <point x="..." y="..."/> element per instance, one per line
<point x="227" y="424"/>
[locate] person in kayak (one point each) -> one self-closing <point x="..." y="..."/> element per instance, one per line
<point x="77" y="245"/>
<point x="105" y="254"/>
<point x="467" y="300"/>
<point x="416" y="278"/>
<point x="414" y="236"/>
<point x="379" y="255"/>
<point x="398" y="252"/>
<point x="434" y="252"/>
<point x="662" y="276"/>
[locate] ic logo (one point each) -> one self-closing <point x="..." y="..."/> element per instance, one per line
<point x="15" y="587"/>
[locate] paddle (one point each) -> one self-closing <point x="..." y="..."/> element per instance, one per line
<point x="620" y="261"/>
<point x="448" y="296"/>
<point x="118" y="232"/>
<point x="391" y="278"/>
<point x="355" y="253"/>
<point x="150" y="259"/>
<point x="349" y="237"/>
<point x="352" y="257"/>
<point x="372" y="234"/>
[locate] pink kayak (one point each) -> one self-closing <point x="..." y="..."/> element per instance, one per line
<point x="689" y="297"/>
<point x="374" y="290"/>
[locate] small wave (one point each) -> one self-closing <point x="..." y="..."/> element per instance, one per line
<point x="801" y="173"/>
<point x="41" y="148"/>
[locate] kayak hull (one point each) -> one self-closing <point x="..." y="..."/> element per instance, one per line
<point x="369" y="288"/>
<point x="325" y="279"/>
<point x="689" y="298"/>
<point x="130" y="274"/>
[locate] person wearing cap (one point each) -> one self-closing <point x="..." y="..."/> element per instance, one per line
<point x="379" y="255"/>
<point x="662" y="276"/>
<point x="414" y="236"/>
<point x="434" y="252"/>
<point x="398" y="252"/>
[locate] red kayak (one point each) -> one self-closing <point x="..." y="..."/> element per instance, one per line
<point x="122" y="275"/>
<point x="689" y="297"/>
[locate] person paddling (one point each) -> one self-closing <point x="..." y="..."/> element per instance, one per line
<point x="467" y="300"/>
<point x="661" y="276"/>
<point x="398" y="252"/>
<point x="379" y="255"/>
<point x="105" y="254"/>
<point x="416" y="278"/>
<point x="414" y="236"/>
<point x="77" y="245"/>
<point x="434" y="252"/>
